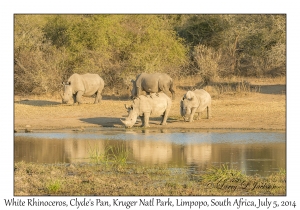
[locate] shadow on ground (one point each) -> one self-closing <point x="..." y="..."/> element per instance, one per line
<point x="103" y="121"/>
<point x="38" y="102"/>
<point x="272" y="89"/>
<point x="116" y="122"/>
<point x="86" y="100"/>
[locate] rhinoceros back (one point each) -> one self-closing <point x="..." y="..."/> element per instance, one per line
<point x="148" y="82"/>
<point x="88" y="83"/>
<point x="155" y="104"/>
<point x="204" y="99"/>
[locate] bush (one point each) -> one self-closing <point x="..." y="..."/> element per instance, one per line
<point x="116" y="44"/>
<point x="36" y="63"/>
<point x="207" y="62"/>
<point x="50" y="48"/>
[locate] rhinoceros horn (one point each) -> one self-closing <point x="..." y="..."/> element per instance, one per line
<point x="124" y="122"/>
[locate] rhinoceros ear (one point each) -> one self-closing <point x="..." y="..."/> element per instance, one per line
<point x="130" y="107"/>
<point x="66" y="83"/>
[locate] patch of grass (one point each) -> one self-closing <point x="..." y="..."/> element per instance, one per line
<point x="54" y="186"/>
<point x="134" y="179"/>
<point x="224" y="173"/>
<point x="118" y="155"/>
<point x="112" y="156"/>
<point x="96" y="156"/>
<point x="238" y="87"/>
<point x="231" y="86"/>
<point x="234" y="181"/>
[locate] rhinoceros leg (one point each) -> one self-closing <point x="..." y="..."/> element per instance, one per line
<point x="143" y="120"/>
<point x="74" y="98"/>
<point x="165" y="86"/>
<point x="192" y="114"/>
<point x="146" y="119"/>
<point x="208" y="112"/>
<point x="172" y="91"/>
<point x="164" y="118"/>
<point x="163" y="89"/>
<point x="138" y="92"/>
<point x="198" y="116"/>
<point x="79" y="97"/>
<point x="98" y="96"/>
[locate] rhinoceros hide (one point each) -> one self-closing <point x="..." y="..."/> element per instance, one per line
<point x="195" y="102"/>
<point x="82" y="85"/>
<point x="152" y="83"/>
<point x="146" y="106"/>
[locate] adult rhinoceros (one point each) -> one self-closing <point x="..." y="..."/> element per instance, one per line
<point x="82" y="85"/>
<point x="152" y="83"/>
<point x="144" y="106"/>
<point x="195" y="101"/>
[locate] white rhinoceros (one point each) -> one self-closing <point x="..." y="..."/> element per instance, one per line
<point x="195" y="101"/>
<point x="152" y="83"/>
<point x="144" y="106"/>
<point x="82" y="85"/>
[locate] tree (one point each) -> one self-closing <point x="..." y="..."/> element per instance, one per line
<point x="117" y="45"/>
<point x="246" y="42"/>
<point x="36" y="68"/>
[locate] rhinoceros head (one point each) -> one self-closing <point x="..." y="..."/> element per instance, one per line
<point x="132" y="116"/>
<point x="67" y="94"/>
<point x="186" y="104"/>
<point x="185" y="109"/>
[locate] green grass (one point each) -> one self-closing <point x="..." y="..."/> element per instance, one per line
<point x="113" y="156"/>
<point x="222" y="174"/>
<point x="54" y="186"/>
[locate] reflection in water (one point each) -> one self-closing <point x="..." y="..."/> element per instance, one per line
<point x="151" y="152"/>
<point x="253" y="153"/>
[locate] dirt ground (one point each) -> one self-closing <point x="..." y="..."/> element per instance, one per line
<point x="264" y="109"/>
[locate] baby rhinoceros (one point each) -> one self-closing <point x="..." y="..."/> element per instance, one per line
<point x="144" y="106"/>
<point x="195" y="101"/>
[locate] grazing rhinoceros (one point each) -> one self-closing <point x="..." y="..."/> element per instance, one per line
<point x="82" y="85"/>
<point x="152" y="83"/>
<point x="144" y="106"/>
<point x="195" y="101"/>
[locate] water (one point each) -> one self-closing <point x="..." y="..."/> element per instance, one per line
<point x="251" y="152"/>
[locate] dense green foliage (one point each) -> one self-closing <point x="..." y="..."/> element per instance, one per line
<point x="49" y="48"/>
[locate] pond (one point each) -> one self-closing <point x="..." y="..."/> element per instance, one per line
<point x="196" y="150"/>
